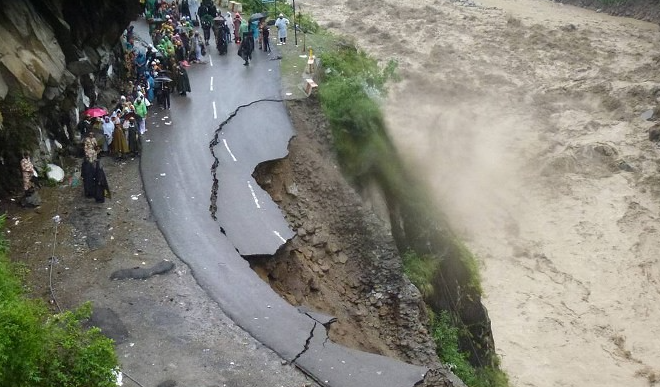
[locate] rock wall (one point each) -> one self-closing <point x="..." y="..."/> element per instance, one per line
<point x="51" y="55"/>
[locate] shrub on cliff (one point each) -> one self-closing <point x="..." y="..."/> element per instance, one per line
<point x="39" y="349"/>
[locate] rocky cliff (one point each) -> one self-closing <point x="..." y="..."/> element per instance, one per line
<point x="53" y="53"/>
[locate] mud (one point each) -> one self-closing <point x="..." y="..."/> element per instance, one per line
<point x="167" y="330"/>
<point x="523" y="117"/>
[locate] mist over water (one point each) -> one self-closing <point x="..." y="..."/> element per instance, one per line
<point x="524" y="122"/>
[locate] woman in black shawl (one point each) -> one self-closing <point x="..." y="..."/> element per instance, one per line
<point x="87" y="173"/>
<point x="182" y="80"/>
<point x="102" y="189"/>
<point x="133" y="138"/>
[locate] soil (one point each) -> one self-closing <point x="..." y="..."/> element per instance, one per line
<point x="166" y="329"/>
<point x="524" y="118"/>
<point x="342" y="262"/>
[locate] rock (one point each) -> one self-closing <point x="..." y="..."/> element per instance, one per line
<point x="341" y="258"/>
<point x="55" y="173"/>
<point x="32" y="200"/>
<point x="81" y="66"/>
<point x="292" y="189"/>
<point x="318" y="241"/>
<point x="29" y="50"/>
<point x="647" y="115"/>
<point x="654" y="133"/>
<point x="310" y="228"/>
<point x="314" y="285"/>
<point x="110" y="324"/>
<point x="141" y="273"/>
<point x="301" y="232"/>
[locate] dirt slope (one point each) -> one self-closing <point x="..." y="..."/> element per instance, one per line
<point x="524" y="117"/>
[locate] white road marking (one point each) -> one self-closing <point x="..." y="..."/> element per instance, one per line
<point x="229" y="150"/>
<point x="254" y="196"/>
<point x="215" y="113"/>
<point x="279" y="236"/>
<point x="211" y="83"/>
<point x="211" y="60"/>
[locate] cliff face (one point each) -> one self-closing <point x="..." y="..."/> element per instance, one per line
<point x="52" y="54"/>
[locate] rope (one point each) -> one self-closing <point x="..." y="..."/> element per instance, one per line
<point x="56" y="219"/>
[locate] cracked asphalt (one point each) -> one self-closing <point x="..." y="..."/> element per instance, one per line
<point x="175" y="171"/>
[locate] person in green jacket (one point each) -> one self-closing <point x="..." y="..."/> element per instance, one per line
<point x="141" y="112"/>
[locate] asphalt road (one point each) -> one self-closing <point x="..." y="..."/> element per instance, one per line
<point x="176" y="171"/>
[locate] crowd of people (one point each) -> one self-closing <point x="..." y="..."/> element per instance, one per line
<point x="152" y="72"/>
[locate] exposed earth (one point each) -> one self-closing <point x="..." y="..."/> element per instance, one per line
<point x="524" y="117"/>
<point x="166" y="328"/>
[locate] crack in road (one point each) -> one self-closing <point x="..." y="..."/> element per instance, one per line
<point x="213" y="207"/>
<point x="307" y="342"/>
<point x="326" y="325"/>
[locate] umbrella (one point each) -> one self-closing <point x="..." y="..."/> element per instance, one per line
<point x="257" y="16"/>
<point x="95" y="112"/>
<point x="162" y="78"/>
<point x="219" y="18"/>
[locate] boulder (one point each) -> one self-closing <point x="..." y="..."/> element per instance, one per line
<point x="55" y="173"/>
<point x="81" y="67"/>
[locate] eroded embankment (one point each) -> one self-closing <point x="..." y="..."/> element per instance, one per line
<point x="342" y="260"/>
<point x="345" y="260"/>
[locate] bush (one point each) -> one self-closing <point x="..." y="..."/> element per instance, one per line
<point x="420" y="270"/>
<point x="41" y="350"/>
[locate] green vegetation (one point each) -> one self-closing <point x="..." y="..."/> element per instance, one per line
<point x="16" y="135"/>
<point x="350" y="92"/>
<point x="446" y="336"/>
<point x="420" y="271"/>
<point x="349" y="96"/>
<point x="305" y="21"/>
<point x="38" y="349"/>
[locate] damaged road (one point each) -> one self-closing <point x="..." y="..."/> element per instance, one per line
<point x="246" y="213"/>
<point x="174" y="168"/>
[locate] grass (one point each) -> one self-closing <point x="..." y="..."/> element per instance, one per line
<point x="38" y="349"/>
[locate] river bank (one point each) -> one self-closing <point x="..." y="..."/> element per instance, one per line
<point x="524" y="119"/>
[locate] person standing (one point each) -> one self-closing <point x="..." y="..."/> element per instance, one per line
<point x="281" y="23"/>
<point x="119" y="143"/>
<point x="101" y="187"/>
<point x="108" y="130"/>
<point x="237" y="28"/>
<point x="133" y="138"/>
<point x="183" y="82"/>
<point x="247" y="43"/>
<point x="141" y="112"/>
<point x="90" y="146"/>
<point x="84" y="126"/>
<point x="265" y="36"/>
<point x="185" y="8"/>
<point x="151" y="84"/>
<point x="27" y="170"/>
<point x="196" y="44"/>
<point x="254" y="30"/>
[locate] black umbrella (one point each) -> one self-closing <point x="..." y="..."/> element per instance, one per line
<point x="162" y="79"/>
<point x="257" y="16"/>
